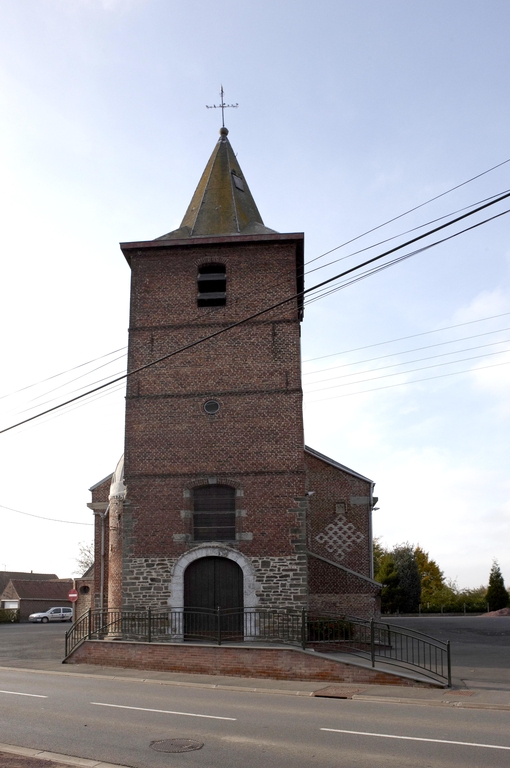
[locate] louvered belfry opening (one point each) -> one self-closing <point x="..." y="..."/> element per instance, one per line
<point x="214" y="515"/>
<point x="212" y="285"/>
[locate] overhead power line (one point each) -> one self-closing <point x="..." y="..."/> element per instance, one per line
<point x="62" y="373"/>
<point x="77" y="378"/>
<point x="410" y="362"/>
<point x="411" y="210"/>
<point x="400" y="234"/>
<point x="73" y="406"/>
<point x="407" y="383"/>
<point x="278" y="304"/>
<point x="374" y="270"/>
<point x="40" y="517"/>
<point x="402" y="373"/>
<point x="374" y="245"/>
<point x="408" y="351"/>
<point x="412" y="336"/>
<point x="78" y="389"/>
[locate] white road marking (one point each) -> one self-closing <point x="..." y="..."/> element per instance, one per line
<point x="33" y="695"/>
<point x="162" y="711"/>
<point x="416" y="738"/>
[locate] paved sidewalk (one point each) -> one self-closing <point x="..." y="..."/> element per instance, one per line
<point x="21" y="757"/>
<point x="458" y="696"/>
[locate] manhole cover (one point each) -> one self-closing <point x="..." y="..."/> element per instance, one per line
<point x="176" y="745"/>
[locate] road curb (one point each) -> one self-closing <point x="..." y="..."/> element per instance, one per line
<point x="156" y="681"/>
<point x="56" y="757"/>
<point x="277" y="691"/>
<point x="429" y="702"/>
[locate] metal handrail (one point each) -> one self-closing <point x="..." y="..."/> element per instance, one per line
<point x="330" y="633"/>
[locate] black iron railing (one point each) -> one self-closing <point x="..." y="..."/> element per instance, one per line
<point x="375" y="640"/>
<point x="383" y="642"/>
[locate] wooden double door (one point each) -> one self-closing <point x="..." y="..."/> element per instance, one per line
<point x="211" y="583"/>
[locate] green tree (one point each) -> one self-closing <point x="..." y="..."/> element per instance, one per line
<point x="409" y="577"/>
<point x="433" y="585"/>
<point x="397" y="571"/>
<point x="378" y="552"/>
<point x="497" y="596"/>
<point x="473" y="594"/>
<point x="387" y="574"/>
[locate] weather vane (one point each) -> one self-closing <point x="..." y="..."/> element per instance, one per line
<point x="222" y="106"/>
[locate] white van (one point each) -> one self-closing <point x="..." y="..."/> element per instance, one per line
<point x="52" y="614"/>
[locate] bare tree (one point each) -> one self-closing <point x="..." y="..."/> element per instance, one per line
<point x="85" y="557"/>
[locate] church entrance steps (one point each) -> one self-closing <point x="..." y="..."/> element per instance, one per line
<point x="277" y="662"/>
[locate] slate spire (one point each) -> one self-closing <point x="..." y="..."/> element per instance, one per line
<point x="222" y="203"/>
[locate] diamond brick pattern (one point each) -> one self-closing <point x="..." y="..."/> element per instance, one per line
<point x="340" y="537"/>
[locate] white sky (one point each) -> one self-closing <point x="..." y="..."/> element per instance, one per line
<point x="350" y="113"/>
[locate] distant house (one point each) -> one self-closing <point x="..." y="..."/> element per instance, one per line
<point x="33" y="595"/>
<point x="6" y="576"/>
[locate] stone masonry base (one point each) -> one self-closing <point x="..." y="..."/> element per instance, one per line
<point x="282" y="663"/>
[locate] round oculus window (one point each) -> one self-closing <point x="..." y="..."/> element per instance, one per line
<point x="211" y="407"/>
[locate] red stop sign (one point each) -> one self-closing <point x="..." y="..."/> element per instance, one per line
<point x="72" y="595"/>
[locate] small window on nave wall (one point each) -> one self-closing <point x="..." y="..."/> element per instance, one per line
<point x="214" y="516"/>
<point x="212" y="285"/>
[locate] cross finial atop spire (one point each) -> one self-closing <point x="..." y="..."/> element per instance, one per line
<point x="222" y="106"/>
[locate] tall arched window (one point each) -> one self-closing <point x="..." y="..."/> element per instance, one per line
<point x="214" y="515"/>
<point x="212" y="285"/>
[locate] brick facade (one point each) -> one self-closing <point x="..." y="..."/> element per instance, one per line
<point x="261" y="662"/>
<point x="253" y="444"/>
<point x="85" y="589"/>
<point x="255" y="441"/>
<point x="339" y="539"/>
<point x="333" y="590"/>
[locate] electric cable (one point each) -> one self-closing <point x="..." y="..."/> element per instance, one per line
<point x="40" y="517"/>
<point x="407" y="383"/>
<point x="280" y="303"/>
<point x="307" y="272"/>
<point x="328" y="291"/>
<point x="62" y="373"/>
<point x="411" y="210"/>
<point x="412" y="336"/>
<point x="73" y="406"/>
<point x="405" y="373"/>
<point x="410" y="362"/>
<point x="309" y="360"/>
<point x="401" y="234"/>
<point x="71" y="381"/>
<point x="408" y="351"/>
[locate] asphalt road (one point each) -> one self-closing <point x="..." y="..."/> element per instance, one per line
<point x="116" y="721"/>
<point x="37" y="646"/>
<point x="480" y="646"/>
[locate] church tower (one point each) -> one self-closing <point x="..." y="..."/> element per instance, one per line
<point x="216" y="502"/>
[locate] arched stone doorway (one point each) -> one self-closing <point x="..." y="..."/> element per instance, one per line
<point x="250" y="585"/>
<point x="211" y="583"/>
